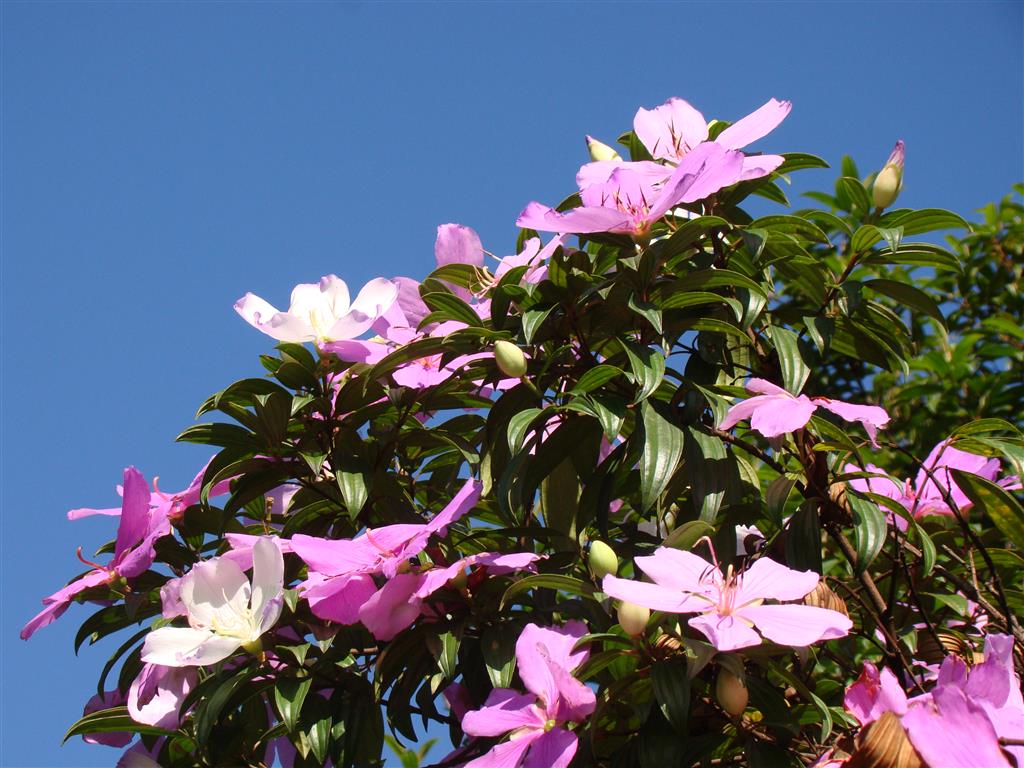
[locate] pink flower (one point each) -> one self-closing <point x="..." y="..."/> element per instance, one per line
<point x="926" y="495"/>
<point x="774" y="411"/>
<point x="546" y="662"/>
<point x="673" y="130"/>
<point x="140" y="526"/>
<point x="164" y="505"/>
<point x="960" y="721"/>
<point x="635" y="195"/>
<point x="731" y="605"/>
<point x="156" y="695"/>
<point x="106" y="700"/>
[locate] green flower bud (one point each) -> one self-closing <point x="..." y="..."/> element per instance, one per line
<point x="600" y="151"/>
<point x="633" y="618"/>
<point x="602" y="560"/>
<point x="889" y="180"/>
<point x="510" y="358"/>
<point x="731" y="693"/>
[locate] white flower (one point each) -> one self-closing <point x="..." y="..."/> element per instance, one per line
<point x="224" y="611"/>
<point x="321" y="311"/>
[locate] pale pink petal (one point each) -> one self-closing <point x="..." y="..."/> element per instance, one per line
<point x="555" y="749"/>
<point x="505" y="710"/>
<point x="187" y="647"/>
<point x="703" y="172"/>
<point x="796" y="625"/>
<point x="769" y="579"/>
<point x="351" y="351"/>
<point x="393" y="608"/>
<point x="76" y="514"/>
<point x="681" y="571"/>
<point x="726" y="633"/>
<point x="156" y="695"/>
<point x="772" y="415"/>
<point x="882" y="484"/>
<point x="337" y="598"/>
<point x="508" y="754"/>
<point x="334" y="556"/>
<point x="670" y="130"/>
<point x="758" y="123"/>
<point x="209" y="586"/>
<point x="458" y="244"/>
<point x="267" y="582"/>
<point x="765" y="387"/>
<point x="652" y="596"/>
<point x="576" y="220"/>
<point x="874" y="694"/>
<point x="952" y="731"/>
<point x="59" y="601"/>
<point x="741" y="411"/>
<point x="871" y="416"/>
<point x="760" y="165"/>
<point x="279" y="325"/>
<point x="463" y="501"/>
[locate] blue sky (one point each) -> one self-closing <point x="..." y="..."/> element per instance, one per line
<point x="161" y="159"/>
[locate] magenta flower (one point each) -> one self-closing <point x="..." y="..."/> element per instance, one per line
<point x="731" y="605"/>
<point x="340" y="578"/>
<point x="140" y="526"/>
<point x="673" y="130"/>
<point x="960" y="721"/>
<point x="535" y="720"/>
<point x="321" y="311"/>
<point x="635" y="195"/>
<point x="774" y="411"/>
<point x="926" y="495"/>
<point x="164" y="505"/>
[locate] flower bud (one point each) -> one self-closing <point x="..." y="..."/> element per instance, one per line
<point x="633" y="618"/>
<point x="600" y="151"/>
<point x="889" y="180"/>
<point x="510" y="358"/>
<point x="731" y="693"/>
<point x="602" y="560"/>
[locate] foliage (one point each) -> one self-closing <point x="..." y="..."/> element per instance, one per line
<point x="637" y="344"/>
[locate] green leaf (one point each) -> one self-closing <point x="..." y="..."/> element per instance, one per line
<point x="1004" y="510"/>
<point x="671" y="685"/>
<point x="289" y="695"/>
<point x="517" y="427"/>
<point x="647" y="310"/>
<point x="662" y="450"/>
<point x="924" y="220"/>
<point x="688" y="534"/>
<point x="708" y="470"/>
<point x="792" y="225"/>
<point x="852" y="190"/>
<point x="648" y="367"/>
<point x="798" y="161"/>
<point x="532" y="321"/>
<point x="111" y="720"/>
<point x="596" y="377"/>
<point x="794" y="370"/>
<point x="556" y="581"/>
<point x="498" y="646"/>
<point x="803" y="539"/>
<point x="870" y="529"/>
<point x="449" y="658"/>
<point x="908" y="295"/>
<point x="223" y="435"/>
<point x="452" y="308"/>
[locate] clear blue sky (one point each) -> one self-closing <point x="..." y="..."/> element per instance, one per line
<point x="161" y="159"/>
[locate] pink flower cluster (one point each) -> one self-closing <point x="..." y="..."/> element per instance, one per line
<point x="960" y="721"/>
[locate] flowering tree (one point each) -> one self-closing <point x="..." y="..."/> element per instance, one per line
<point x="634" y="495"/>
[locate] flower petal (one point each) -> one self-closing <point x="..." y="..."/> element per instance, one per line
<point x="508" y="754"/>
<point x="874" y="694"/>
<point x="871" y="416"/>
<point x="213" y="587"/>
<point x="555" y="749"/>
<point x="726" y="633"/>
<point x="653" y="596"/>
<point x="337" y="598"/>
<point x="797" y="625"/>
<point x="267" y="582"/>
<point x="575" y="221"/>
<point x="670" y="130"/>
<point x="758" y="123"/>
<point x="187" y="647"/>
<point x="393" y="607"/>
<point x="952" y="731"/>
<point x="505" y="710"/>
<point x="682" y="571"/>
<point x="769" y="579"/>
